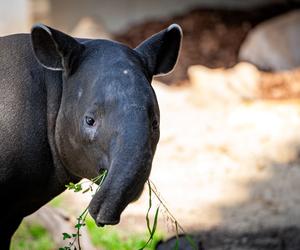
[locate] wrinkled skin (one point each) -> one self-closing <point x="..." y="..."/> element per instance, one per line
<point x="70" y="108"/>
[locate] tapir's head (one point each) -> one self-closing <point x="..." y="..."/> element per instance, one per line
<point x="108" y="116"/>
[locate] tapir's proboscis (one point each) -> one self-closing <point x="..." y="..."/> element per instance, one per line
<point x="71" y="108"/>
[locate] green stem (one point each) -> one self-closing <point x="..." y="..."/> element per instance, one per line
<point x="82" y="217"/>
<point x="177" y="225"/>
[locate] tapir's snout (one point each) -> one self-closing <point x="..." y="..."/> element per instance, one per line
<point x="123" y="184"/>
<point x="131" y="159"/>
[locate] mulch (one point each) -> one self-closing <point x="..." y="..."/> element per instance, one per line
<point x="212" y="37"/>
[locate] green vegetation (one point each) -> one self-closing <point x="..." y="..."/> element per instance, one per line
<point x="32" y="236"/>
<point x="56" y="202"/>
<point x="75" y="237"/>
<point x="116" y="242"/>
<point x="109" y="239"/>
<point x="36" y="237"/>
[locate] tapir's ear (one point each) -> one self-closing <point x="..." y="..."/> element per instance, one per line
<point x="161" y="51"/>
<point x="54" y="49"/>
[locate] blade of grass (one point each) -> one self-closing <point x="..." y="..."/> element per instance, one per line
<point x="154" y="223"/>
<point x="149" y="207"/>
<point x="152" y="230"/>
<point x="171" y="216"/>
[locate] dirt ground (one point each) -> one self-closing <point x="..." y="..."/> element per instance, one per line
<point x="230" y="174"/>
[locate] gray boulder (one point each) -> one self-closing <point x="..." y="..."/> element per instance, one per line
<point x="274" y="44"/>
<point x="183" y="243"/>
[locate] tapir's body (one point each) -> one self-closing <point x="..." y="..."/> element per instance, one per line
<point x="28" y="178"/>
<point x="70" y="108"/>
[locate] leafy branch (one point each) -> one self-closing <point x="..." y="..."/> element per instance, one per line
<point x="75" y="237"/>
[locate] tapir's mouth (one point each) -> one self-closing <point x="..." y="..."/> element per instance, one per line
<point x="106" y="214"/>
<point x="110" y="201"/>
<point x="103" y="223"/>
<point x="122" y="185"/>
<point x="103" y="207"/>
<point x="104" y="211"/>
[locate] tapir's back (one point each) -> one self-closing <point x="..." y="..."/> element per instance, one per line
<point x="23" y="123"/>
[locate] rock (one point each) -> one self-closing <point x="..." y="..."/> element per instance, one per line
<point x="274" y="44"/>
<point x="224" y="86"/>
<point x="89" y="28"/>
<point x="183" y="243"/>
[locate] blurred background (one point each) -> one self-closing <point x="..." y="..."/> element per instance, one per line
<point x="228" y="161"/>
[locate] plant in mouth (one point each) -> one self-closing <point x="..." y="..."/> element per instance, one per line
<point x="74" y="238"/>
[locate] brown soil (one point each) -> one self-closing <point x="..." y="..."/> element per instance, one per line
<point x="211" y="37"/>
<point x="280" y="85"/>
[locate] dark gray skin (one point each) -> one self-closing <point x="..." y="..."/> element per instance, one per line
<point x="72" y="107"/>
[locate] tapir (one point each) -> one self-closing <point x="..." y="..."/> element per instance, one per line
<point x="71" y="108"/>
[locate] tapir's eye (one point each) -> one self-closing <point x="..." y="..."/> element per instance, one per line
<point x="89" y="121"/>
<point x="155" y="124"/>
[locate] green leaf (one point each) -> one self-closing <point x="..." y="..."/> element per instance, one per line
<point x="66" y="236"/>
<point x="81" y="219"/>
<point x="191" y="242"/>
<point x="151" y="231"/>
<point x="155" y="222"/>
<point x="176" y="247"/>
<point x="77" y="187"/>
<point x="79" y="225"/>
<point x="149" y="207"/>
<point x="70" y="185"/>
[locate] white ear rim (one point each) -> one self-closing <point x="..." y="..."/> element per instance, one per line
<point x="177" y="27"/>
<point x="45" y="28"/>
<point x="42" y="26"/>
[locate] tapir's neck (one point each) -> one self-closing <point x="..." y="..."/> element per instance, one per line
<point x="53" y="81"/>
